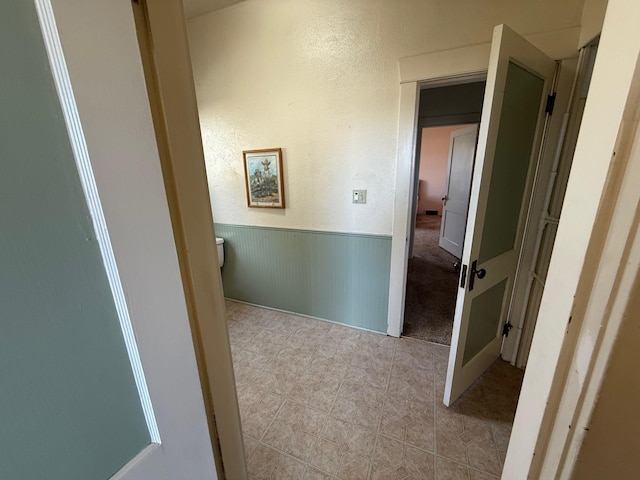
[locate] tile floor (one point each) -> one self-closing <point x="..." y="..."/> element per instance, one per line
<point x="323" y="401"/>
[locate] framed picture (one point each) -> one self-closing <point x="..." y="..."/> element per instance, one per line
<point x="263" y="178"/>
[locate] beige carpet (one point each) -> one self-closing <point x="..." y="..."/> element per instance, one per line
<point x="431" y="286"/>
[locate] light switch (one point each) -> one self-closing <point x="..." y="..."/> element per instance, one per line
<point x="359" y="196"/>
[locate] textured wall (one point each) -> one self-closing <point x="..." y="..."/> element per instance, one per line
<point x="320" y="79"/>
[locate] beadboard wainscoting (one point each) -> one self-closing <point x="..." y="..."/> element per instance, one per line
<point x="341" y="277"/>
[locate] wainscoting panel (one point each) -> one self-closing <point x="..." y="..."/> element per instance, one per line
<point x="341" y="277"/>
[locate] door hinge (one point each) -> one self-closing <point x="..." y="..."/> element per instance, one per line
<point x="551" y="101"/>
<point x="505" y="329"/>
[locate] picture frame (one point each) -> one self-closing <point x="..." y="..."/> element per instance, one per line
<point x="263" y="176"/>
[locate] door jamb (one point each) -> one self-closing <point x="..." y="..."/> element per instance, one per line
<point x="169" y="78"/>
<point x="616" y="278"/>
<point x="525" y="278"/>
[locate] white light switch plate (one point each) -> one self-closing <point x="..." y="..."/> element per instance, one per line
<point x="359" y="196"/>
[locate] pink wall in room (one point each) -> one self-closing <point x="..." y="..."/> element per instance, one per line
<point x="434" y="159"/>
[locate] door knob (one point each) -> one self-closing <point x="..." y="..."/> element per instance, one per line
<point x="475" y="272"/>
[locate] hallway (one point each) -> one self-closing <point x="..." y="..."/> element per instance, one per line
<point x="323" y="401"/>
<point x="431" y="285"/>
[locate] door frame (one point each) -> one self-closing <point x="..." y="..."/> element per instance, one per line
<point x="525" y="277"/>
<point x="168" y="73"/>
<point x="434" y="69"/>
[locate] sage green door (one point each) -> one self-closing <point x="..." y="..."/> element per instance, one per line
<point x="69" y="404"/>
<point x="518" y="82"/>
<point x="77" y="327"/>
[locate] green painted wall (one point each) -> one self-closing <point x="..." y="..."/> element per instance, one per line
<point x="69" y="407"/>
<point x="334" y="276"/>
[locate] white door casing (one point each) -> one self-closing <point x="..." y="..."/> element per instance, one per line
<point x="518" y="82"/>
<point x="462" y="149"/>
<point x="437" y="68"/>
<point x="111" y="133"/>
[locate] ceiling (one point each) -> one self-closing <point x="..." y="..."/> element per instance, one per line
<point x="194" y="8"/>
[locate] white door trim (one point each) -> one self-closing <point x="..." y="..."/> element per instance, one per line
<point x="470" y="63"/>
<point x="174" y="108"/>
<point x="405" y="166"/>
<point x="613" y="285"/>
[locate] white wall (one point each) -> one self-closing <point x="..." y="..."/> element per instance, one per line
<point x="320" y="79"/>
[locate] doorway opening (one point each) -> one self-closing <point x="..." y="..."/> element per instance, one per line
<point x="448" y="119"/>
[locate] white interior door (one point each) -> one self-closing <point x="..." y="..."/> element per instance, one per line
<point x="518" y="82"/>
<point x="98" y="371"/>
<point x="462" y="150"/>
